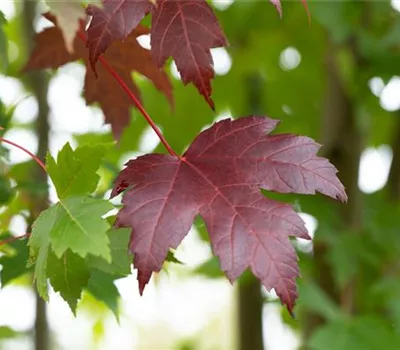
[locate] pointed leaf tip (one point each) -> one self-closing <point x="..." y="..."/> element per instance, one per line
<point x="278" y="6"/>
<point x="196" y="24"/>
<point x="143" y="278"/>
<point x="105" y="27"/>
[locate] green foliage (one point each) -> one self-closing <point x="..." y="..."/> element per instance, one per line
<point x="68" y="275"/>
<point x="73" y="174"/>
<point x="315" y="299"/>
<point x="121" y="260"/>
<point x="7" y="333"/>
<point x="171" y="258"/>
<point x="362" y="332"/>
<point x="14" y="261"/>
<point x="68" y="236"/>
<point x="21" y="173"/>
<point x="75" y="223"/>
<point x="101" y="286"/>
<point x="3" y="43"/>
<point x="5" y="121"/>
<point x="5" y="190"/>
<point x="211" y="268"/>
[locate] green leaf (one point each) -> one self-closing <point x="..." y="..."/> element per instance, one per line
<point x="336" y="335"/>
<point x="5" y="189"/>
<point x="211" y="268"/>
<point x="315" y="299"/>
<point x="14" y="264"/>
<point x="3" y="43"/>
<point x="334" y="16"/>
<point x="363" y="332"/>
<point x="75" y="170"/>
<point x="6" y="114"/>
<point x="7" y="333"/>
<point x="171" y="258"/>
<point x="101" y="286"/>
<point x="348" y="255"/>
<point x="68" y="275"/>
<point x="121" y="260"/>
<point x="75" y="223"/>
<point x="39" y="244"/>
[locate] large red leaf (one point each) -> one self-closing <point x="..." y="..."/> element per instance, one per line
<point x="219" y="177"/>
<point x="125" y="57"/>
<point x="187" y="30"/>
<point x="115" y="21"/>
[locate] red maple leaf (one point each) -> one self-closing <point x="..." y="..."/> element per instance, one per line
<point x="187" y="30"/>
<point x="219" y="177"/>
<point x="115" y="21"/>
<point x="125" y="57"/>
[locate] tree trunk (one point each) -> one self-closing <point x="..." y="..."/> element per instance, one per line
<point x="394" y="174"/>
<point x="39" y="82"/>
<point x="250" y="297"/>
<point x="250" y="314"/>
<point x="342" y="142"/>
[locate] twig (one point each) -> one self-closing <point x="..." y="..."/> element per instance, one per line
<point x="34" y="157"/>
<point x="12" y="239"/>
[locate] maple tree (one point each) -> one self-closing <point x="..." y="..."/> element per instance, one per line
<point x="219" y="177"/>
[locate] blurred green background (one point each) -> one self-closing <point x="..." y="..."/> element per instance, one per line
<point x="335" y="80"/>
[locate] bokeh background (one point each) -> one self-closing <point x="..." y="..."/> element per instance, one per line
<point x="336" y="80"/>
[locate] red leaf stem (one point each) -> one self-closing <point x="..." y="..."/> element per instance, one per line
<point x="134" y="99"/>
<point x="34" y="157"/>
<point x="12" y="239"/>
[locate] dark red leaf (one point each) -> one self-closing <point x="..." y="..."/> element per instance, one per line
<point x="125" y="57"/>
<point x="115" y="21"/>
<point x="187" y="30"/>
<point x="219" y="177"/>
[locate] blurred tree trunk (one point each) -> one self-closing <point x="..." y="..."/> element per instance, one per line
<point x="342" y="140"/>
<point x="343" y="143"/>
<point x="38" y="82"/>
<point x="394" y="174"/>
<point x="250" y="297"/>
<point x="250" y="314"/>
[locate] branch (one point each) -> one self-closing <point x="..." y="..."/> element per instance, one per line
<point x="39" y="85"/>
<point x="34" y="157"/>
<point x="134" y="99"/>
<point x="13" y="239"/>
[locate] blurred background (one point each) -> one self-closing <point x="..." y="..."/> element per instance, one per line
<point x="336" y="80"/>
